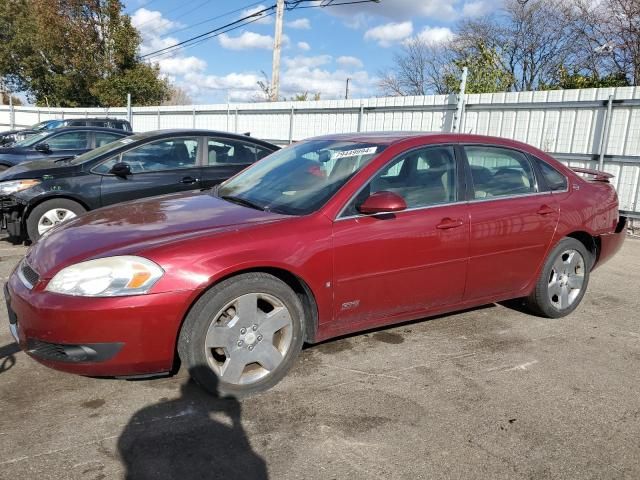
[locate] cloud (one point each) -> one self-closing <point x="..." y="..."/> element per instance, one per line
<point x="300" y="24"/>
<point x="262" y="19"/>
<point x="435" y="35"/>
<point x="301" y="61"/>
<point x="182" y="65"/>
<point x="347" y="61"/>
<point x="304" y="46"/>
<point x="152" y="25"/>
<point x="362" y="14"/>
<point x="475" y="9"/>
<point x="389" y="33"/>
<point x="245" y="41"/>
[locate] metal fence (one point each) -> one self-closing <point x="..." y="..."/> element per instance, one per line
<point x="586" y="128"/>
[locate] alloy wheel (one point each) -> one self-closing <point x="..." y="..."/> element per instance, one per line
<point x="249" y="338"/>
<point x="566" y="279"/>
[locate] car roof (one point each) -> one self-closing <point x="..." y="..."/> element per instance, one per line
<point x="194" y="131"/>
<point x="90" y="128"/>
<point x="390" y="138"/>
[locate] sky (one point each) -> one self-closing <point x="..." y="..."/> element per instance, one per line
<point x="322" y="46"/>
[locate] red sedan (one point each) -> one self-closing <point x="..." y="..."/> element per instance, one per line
<point x="332" y="235"/>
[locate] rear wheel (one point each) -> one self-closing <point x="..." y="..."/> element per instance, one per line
<point x="49" y="214"/>
<point x="563" y="280"/>
<point x="243" y="335"/>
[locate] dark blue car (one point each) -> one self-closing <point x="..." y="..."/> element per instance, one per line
<point x="58" y="144"/>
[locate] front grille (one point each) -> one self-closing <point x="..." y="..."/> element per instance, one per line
<point x="49" y="351"/>
<point x="29" y="274"/>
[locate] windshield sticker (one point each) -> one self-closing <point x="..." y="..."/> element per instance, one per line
<point x="354" y="153"/>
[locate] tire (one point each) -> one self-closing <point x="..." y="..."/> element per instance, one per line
<point x="563" y="280"/>
<point x="50" y="213"/>
<point x="218" y="339"/>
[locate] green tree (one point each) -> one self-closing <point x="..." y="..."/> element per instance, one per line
<point x="75" y="53"/>
<point x="575" y="79"/>
<point x="485" y="73"/>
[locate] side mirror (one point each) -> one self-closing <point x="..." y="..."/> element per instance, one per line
<point x="121" y="170"/>
<point x="382" y="202"/>
<point x="42" y="147"/>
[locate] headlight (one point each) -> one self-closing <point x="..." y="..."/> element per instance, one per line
<point x="13" y="186"/>
<point x="107" y="277"/>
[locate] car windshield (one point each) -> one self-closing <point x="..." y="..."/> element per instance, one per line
<point x="41" y="125"/>
<point x="299" y="179"/>
<point x="33" y="139"/>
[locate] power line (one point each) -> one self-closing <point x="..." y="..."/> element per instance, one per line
<point x="201" y="40"/>
<point x="222" y="15"/>
<point x="257" y="16"/>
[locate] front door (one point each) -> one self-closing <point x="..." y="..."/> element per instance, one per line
<point x="409" y="261"/>
<point x="162" y="166"/>
<point x="512" y="222"/>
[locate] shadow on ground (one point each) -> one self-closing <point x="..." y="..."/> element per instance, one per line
<point x="7" y="356"/>
<point x="196" y="436"/>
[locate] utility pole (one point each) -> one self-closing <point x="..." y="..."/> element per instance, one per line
<point x="277" y="46"/>
<point x="346" y="91"/>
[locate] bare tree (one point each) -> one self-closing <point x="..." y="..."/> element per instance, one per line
<point x="178" y="96"/>
<point x="532" y="40"/>
<point x="419" y="68"/>
<point x="609" y="34"/>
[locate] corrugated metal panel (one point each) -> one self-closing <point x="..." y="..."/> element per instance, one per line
<point x="565" y="122"/>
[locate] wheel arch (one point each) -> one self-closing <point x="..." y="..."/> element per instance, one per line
<point x="590" y="242"/>
<point x="41" y="200"/>
<point x="295" y="282"/>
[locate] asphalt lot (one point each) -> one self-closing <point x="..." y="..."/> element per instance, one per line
<point x="489" y="393"/>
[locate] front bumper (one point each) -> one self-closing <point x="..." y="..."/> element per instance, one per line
<point x="119" y="336"/>
<point x="12" y="213"/>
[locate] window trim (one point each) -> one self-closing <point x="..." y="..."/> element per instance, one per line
<point x="460" y="182"/>
<point x="197" y="165"/>
<point x="470" y="192"/>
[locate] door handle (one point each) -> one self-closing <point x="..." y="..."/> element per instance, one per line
<point x="189" y="180"/>
<point x="545" y="210"/>
<point x="447" y="222"/>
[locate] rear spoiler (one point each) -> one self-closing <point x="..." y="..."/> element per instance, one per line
<point x="596" y="175"/>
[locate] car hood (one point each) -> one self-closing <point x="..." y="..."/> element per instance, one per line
<point x="38" y="169"/>
<point x="130" y="227"/>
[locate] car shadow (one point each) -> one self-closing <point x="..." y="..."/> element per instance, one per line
<point x="7" y="356"/>
<point x="196" y="436"/>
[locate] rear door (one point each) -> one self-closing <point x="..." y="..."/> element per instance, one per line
<point x="512" y="221"/>
<point x="224" y="157"/>
<point x="162" y="166"/>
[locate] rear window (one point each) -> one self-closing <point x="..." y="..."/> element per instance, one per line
<point x="553" y="178"/>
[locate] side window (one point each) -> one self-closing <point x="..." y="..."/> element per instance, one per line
<point x="421" y="177"/>
<point x="499" y="172"/>
<point x="226" y="151"/>
<point x="167" y="154"/>
<point x="103" y="138"/>
<point x="69" y="141"/>
<point x="553" y="178"/>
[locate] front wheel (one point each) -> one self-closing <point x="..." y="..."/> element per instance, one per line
<point x="49" y="214"/>
<point x="243" y="335"/>
<point x="563" y="280"/>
